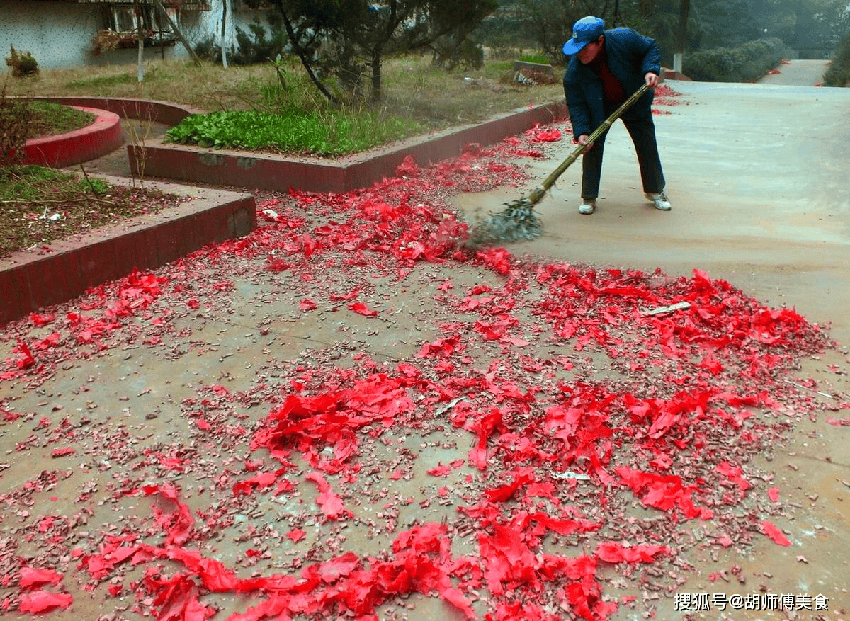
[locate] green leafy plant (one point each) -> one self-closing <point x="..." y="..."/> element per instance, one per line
<point x="328" y="133"/>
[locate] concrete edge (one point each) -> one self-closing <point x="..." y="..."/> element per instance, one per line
<point x="142" y="109"/>
<point x="65" y="269"/>
<point x="60" y="150"/>
<point x="221" y="167"/>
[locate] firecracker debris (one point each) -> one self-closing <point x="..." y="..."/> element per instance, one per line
<point x="352" y="413"/>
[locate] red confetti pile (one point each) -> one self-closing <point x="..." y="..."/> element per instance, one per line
<point x="497" y="456"/>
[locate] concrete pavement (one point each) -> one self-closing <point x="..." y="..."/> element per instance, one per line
<point x="760" y="199"/>
<point x="757" y="175"/>
<point x="798" y="72"/>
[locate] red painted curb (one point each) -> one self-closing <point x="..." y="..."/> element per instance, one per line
<point x="81" y="145"/>
<point x="143" y="109"/>
<point x="222" y="167"/>
<point x="63" y="270"/>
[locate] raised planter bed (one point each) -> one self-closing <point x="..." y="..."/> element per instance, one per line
<point x="278" y="173"/>
<point x="64" y="269"/>
<point x="81" y="145"/>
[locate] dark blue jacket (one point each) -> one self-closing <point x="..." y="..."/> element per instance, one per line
<point x="630" y="57"/>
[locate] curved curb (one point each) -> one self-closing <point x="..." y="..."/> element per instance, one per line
<point x="81" y="145"/>
<point x="64" y="270"/>
<point x="143" y="109"/>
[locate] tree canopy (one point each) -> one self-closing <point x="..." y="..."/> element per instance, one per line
<point x="352" y="37"/>
<point x="803" y="25"/>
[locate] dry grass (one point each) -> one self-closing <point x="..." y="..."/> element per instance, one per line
<point x="413" y="89"/>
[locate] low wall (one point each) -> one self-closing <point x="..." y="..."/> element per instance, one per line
<point x="276" y="173"/>
<point x="81" y="145"/>
<point x="65" y="269"/>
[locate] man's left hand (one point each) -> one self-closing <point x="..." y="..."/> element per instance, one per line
<point x="651" y="80"/>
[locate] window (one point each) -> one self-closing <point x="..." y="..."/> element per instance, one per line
<point x="122" y="18"/>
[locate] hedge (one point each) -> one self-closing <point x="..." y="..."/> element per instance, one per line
<point x="838" y="73"/>
<point x="746" y="63"/>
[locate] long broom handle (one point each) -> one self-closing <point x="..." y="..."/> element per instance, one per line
<point x="537" y="194"/>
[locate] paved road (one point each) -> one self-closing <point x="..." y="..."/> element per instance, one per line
<point x="758" y="178"/>
<point x="798" y="72"/>
<point x="760" y="199"/>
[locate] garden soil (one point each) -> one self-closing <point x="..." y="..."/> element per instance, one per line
<point x="757" y="178"/>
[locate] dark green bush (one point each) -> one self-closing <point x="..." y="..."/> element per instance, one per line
<point x="22" y="63"/>
<point x="838" y="73"/>
<point x="746" y="63"/>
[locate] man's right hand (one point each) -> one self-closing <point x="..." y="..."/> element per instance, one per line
<point x="582" y="140"/>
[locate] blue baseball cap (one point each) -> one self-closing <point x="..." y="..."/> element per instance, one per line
<point x="586" y="30"/>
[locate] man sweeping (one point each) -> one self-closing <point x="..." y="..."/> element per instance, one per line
<point x="606" y="67"/>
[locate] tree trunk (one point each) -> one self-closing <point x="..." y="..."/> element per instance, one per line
<point x="140" y="35"/>
<point x="176" y="31"/>
<point x="224" y="33"/>
<point x="684" y="10"/>
<point x="376" y="75"/>
<point x="290" y="32"/>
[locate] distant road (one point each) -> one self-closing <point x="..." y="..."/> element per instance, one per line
<point x="799" y="73"/>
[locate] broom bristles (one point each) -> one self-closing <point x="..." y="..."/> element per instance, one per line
<point x="517" y="221"/>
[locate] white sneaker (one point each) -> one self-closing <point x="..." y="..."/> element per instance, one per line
<point x="587" y="207"/>
<point x="661" y="201"/>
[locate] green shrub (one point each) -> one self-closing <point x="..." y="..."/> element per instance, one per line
<point x="22" y="64"/>
<point x="536" y="58"/>
<point x="746" y="63"/>
<point x="838" y="73"/>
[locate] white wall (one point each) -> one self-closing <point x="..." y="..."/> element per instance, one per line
<point x="58" y="34"/>
<point x="55" y="33"/>
<point x="198" y="26"/>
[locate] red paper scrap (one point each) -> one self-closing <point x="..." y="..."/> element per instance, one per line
<point x="663" y="492"/>
<point x="330" y="503"/>
<point x="774" y="533"/>
<point x="296" y="535"/>
<point x="38" y="602"/>
<point x="173" y="515"/>
<point x="38" y="577"/>
<point x="362" y="309"/>
<point x="616" y="552"/>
